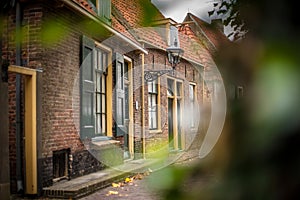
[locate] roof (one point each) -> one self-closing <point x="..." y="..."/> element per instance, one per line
<point x="131" y="15"/>
<point x="84" y="7"/>
<point x="85" y="4"/>
<point x="211" y="32"/>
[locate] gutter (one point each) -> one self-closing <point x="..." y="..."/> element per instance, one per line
<point x="98" y="21"/>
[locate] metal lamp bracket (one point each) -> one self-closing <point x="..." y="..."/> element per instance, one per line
<point x="151" y="75"/>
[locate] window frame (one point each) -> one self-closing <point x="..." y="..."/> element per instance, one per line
<point x="192" y="103"/>
<point x="102" y="92"/>
<point x="152" y="98"/>
<point x="88" y="89"/>
<point x="156" y="94"/>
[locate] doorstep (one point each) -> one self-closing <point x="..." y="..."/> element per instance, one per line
<point x="88" y="184"/>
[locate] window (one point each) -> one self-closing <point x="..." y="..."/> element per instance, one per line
<point x="100" y="66"/>
<point x="95" y="108"/>
<point x="192" y="104"/>
<point x="152" y="104"/>
<point x="103" y="8"/>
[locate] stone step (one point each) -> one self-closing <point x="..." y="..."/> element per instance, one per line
<point x="88" y="184"/>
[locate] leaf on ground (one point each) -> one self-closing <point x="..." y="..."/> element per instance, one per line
<point x="116" y="184"/>
<point x="128" y="180"/>
<point x="113" y="192"/>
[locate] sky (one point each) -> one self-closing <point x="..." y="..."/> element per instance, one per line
<point x="177" y="9"/>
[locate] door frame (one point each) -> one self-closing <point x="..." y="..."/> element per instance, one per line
<point x="176" y="116"/>
<point x="130" y="109"/>
<point x="30" y="117"/>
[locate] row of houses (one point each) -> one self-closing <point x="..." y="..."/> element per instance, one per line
<point x="88" y="85"/>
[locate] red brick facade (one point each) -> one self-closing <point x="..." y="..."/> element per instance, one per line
<point x="51" y="41"/>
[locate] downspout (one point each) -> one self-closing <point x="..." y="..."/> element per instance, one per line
<point x="18" y="102"/>
<point x="143" y="107"/>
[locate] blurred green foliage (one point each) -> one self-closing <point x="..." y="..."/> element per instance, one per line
<point x="262" y="130"/>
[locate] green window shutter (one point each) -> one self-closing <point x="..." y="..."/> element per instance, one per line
<point x="87" y="118"/>
<point x="119" y="94"/>
<point x="105" y="10"/>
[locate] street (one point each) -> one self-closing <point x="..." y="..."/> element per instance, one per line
<point x="150" y="185"/>
<point x="136" y="187"/>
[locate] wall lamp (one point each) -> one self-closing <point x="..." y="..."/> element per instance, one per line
<point x="174" y="53"/>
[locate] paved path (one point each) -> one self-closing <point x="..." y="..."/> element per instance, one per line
<point x="136" y="189"/>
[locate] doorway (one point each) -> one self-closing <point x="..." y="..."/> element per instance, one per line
<point x="128" y="90"/>
<point x="175" y="101"/>
<point x="30" y="127"/>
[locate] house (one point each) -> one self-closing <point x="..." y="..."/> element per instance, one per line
<point x="220" y="47"/>
<point x="79" y="94"/>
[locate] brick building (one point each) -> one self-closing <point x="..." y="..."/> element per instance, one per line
<point x="78" y="100"/>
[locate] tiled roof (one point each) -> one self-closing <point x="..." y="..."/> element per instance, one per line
<point x="131" y="13"/>
<point x="85" y="4"/>
<point x="193" y="47"/>
<point x="215" y="36"/>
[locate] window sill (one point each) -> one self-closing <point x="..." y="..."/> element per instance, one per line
<point x="155" y="131"/>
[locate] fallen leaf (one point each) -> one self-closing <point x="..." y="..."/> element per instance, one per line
<point x="113" y="192"/>
<point x="116" y="184"/>
<point x="128" y="180"/>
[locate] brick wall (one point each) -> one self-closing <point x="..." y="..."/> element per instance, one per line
<point x="51" y="41"/>
<point x="187" y="73"/>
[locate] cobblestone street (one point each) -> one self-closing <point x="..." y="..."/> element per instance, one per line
<point x="137" y="189"/>
<point x="140" y="186"/>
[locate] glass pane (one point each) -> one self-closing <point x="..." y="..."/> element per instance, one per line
<point x="126" y="70"/>
<point x="154" y="120"/>
<point x="103" y="118"/>
<point x="178" y="88"/>
<point x="154" y="86"/>
<point x="191" y="92"/>
<point x="170" y="87"/>
<point x="98" y="82"/>
<point x="153" y="102"/>
<point x="126" y="103"/>
<point x="100" y="67"/>
<point x="98" y="119"/>
<point x="98" y="105"/>
<point x="104" y="60"/>
<point x="103" y="84"/>
<point x="103" y="103"/>
<point x="150" y="90"/>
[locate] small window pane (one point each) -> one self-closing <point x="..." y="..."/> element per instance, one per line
<point x="178" y="88"/>
<point x="152" y="111"/>
<point x="104" y="60"/>
<point x="98" y="106"/>
<point x="100" y="65"/>
<point x="103" y="103"/>
<point x="100" y="100"/>
<point x="170" y="87"/>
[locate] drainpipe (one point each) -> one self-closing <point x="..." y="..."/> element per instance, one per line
<point x="18" y="102"/>
<point x="143" y="107"/>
